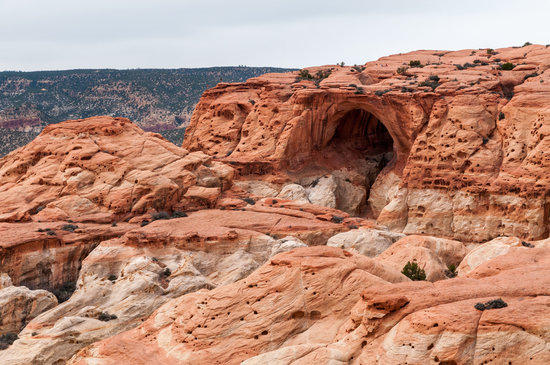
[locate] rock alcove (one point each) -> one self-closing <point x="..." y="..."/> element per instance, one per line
<point x="357" y="147"/>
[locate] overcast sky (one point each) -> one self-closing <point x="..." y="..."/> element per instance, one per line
<point x="66" y="34"/>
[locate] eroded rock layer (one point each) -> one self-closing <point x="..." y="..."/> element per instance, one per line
<point x="469" y="136"/>
<point x="102" y="169"/>
<point x="297" y="309"/>
<point x="123" y="280"/>
<point x="265" y="252"/>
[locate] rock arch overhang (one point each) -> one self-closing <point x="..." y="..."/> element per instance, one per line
<point x="319" y="127"/>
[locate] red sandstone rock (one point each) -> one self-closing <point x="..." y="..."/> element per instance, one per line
<point x="413" y="322"/>
<point x="469" y="145"/>
<point x="131" y="276"/>
<point x="303" y="295"/>
<point x="100" y="165"/>
<point x="18" y="305"/>
<point x="494" y="248"/>
<point x="459" y="155"/>
<point x="47" y="255"/>
<point x="434" y="255"/>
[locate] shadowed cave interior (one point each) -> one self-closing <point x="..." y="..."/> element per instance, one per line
<point x="360" y="144"/>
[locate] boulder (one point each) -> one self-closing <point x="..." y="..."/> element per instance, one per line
<point x="104" y="165"/>
<point x="496" y="247"/>
<point x="322" y="192"/>
<point x="436" y="256"/>
<point x="368" y="242"/>
<point x="19" y="305"/>
<point x="294" y="192"/>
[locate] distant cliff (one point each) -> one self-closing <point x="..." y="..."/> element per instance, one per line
<point x="156" y="99"/>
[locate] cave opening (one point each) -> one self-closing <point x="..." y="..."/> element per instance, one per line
<point x="361" y="131"/>
<point x="366" y="147"/>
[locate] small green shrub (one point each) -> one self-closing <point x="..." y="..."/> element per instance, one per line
<point x="320" y="75"/>
<point x="304" y="74"/>
<point x="402" y="70"/>
<point x="451" y="271"/>
<point x="465" y="66"/>
<point x="106" y="317"/>
<point x="416" y="63"/>
<point x="501" y="116"/>
<point x="432" y="81"/>
<point x="413" y="271"/>
<point x="491" y="51"/>
<point x="527" y="44"/>
<point x="507" y="66"/>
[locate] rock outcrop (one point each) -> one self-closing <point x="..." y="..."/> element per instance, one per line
<point x="496" y="247"/>
<point x="278" y="315"/>
<point x="368" y="242"/>
<point x="122" y="281"/>
<point x="256" y="243"/>
<point x="298" y="296"/>
<point x="460" y="137"/>
<point x="18" y="305"/>
<point x="101" y="168"/>
<point x="438" y="257"/>
<point x="49" y="255"/>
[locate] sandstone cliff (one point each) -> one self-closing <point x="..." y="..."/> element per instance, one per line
<point x="466" y="132"/>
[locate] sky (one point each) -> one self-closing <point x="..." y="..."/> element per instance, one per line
<point x="69" y="34"/>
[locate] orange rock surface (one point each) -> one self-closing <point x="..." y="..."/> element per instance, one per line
<point x="255" y="243"/>
<point x="101" y="168"/>
<point x="297" y="296"/>
<point x="131" y="276"/>
<point x="282" y="313"/>
<point x="47" y="255"/>
<point x="469" y="139"/>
